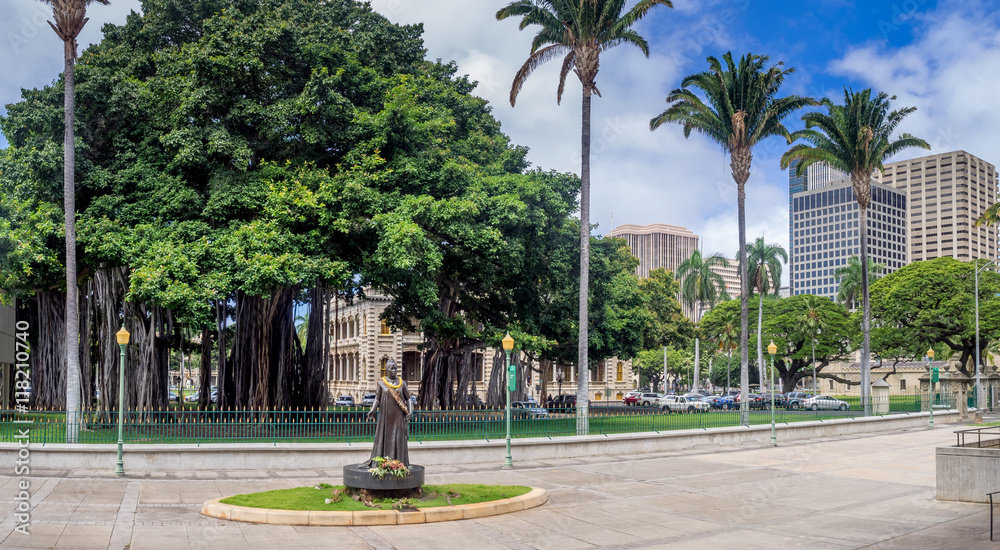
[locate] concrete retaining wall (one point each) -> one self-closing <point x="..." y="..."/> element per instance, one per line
<point x="325" y="456"/>
<point x="967" y="473"/>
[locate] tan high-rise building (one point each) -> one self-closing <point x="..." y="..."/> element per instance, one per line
<point x="657" y="245"/>
<point x="730" y="274"/>
<point x="947" y="193"/>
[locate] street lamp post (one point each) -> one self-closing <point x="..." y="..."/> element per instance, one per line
<point x="508" y="344"/>
<point x="979" y="387"/>
<point x="930" y="372"/>
<point x="772" y="349"/>
<point x="122" y="337"/>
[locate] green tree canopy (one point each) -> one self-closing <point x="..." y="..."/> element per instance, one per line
<point x="932" y="304"/>
<point x="783" y="324"/>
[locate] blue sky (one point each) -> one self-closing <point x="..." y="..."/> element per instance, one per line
<point x="940" y="56"/>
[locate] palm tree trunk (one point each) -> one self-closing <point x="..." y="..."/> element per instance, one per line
<point x="697" y="363"/>
<point x="583" y="366"/>
<point x="72" y="311"/>
<point x="744" y="306"/>
<point x="697" y="346"/>
<point x="729" y="368"/>
<point x="866" y="317"/>
<point x="760" y="331"/>
<point x="815" y="386"/>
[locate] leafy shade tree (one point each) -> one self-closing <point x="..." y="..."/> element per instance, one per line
<point x="741" y="108"/>
<point x="667" y="324"/>
<point x="70" y="17"/>
<point x="578" y="31"/>
<point x="662" y="365"/>
<point x="931" y="303"/>
<point x="857" y="138"/>
<point x="849" y="277"/>
<point x="701" y="288"/>
<point x="782" y="323"/>
<point x="764" y="265"/>
<point x="812" y="324"/>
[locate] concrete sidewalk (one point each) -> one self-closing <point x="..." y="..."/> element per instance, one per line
<point x="858" y="492"/>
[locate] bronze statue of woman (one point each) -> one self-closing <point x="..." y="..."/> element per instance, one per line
<point x="392" y="400"/>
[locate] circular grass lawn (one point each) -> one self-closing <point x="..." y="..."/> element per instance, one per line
<point x="314" y="498"/>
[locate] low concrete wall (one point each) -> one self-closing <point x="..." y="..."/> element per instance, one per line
<point x="331" y="456"/>
<point x="967" y="473"/>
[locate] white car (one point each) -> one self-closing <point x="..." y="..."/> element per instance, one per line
<point x="826" y="403"/>
<point x="683" y="403"/>
<point x="649" y="399"/>
<point x="344" y="401"/>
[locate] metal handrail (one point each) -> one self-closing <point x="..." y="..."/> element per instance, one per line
<point x="960" y="435"/>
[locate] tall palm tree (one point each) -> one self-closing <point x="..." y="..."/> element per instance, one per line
<point x="741" y="108"/>
<point x="811" y="324"/>
<point x="728" y="339"/>
<point x="849" y="277"/>
<point x="764" y="273"/>
<point x="302" y="328"/>
<point x="701" y="287"/>
<point x="857" y="138"/>
<point x="578" y="31"/>
<point x="70" y="17"/>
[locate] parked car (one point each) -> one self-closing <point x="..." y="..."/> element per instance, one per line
<point x="683" y="403"/>
<point x="726" y="402"/>
<point x="794" y="399"/>
<point x="563" y="403"/>
<point x="527" y="409"/>
<point x="173" y="396"/>
<point x="826" y="403"/>
<point x="714" y="401"/>
<point x="649" y="399"/>
<point x="193" y="398"/>
<point x="368" y="399"/>
<point x="631" y="398"/>
<point x="764" y="401"/>
<point x="345" y="401"/>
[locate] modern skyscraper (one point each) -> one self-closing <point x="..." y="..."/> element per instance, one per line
<point x="730" y="274"/>
<point x="815" y="176"/>
<point x="657" y="245"/>
<point x="948" y="192"/>
<point x="825" y="233"/>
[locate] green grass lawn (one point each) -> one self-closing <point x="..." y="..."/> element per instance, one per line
<point x="311" y="498"/>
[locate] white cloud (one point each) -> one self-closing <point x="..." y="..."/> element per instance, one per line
<point x="949" y="73"/>
<point x="638" y="176"/>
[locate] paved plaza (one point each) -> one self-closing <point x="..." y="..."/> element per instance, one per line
<point x="853" y="492"/>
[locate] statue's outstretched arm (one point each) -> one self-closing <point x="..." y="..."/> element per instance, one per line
<point x="378" y="398"/>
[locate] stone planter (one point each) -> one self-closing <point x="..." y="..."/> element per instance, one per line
<point x="357" y="476"/>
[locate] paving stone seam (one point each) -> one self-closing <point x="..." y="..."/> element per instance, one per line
<point x="497" y="536"/>
<point x="121" y="535"/>
<point x="371" y="538"/>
